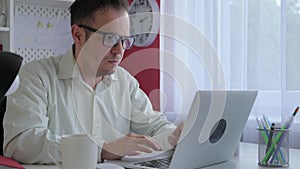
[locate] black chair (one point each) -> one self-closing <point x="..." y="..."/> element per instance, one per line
<point x="2" y="111"/>
<point x="10" y="64"/>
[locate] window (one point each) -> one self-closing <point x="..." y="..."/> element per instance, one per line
<point x="257" y="44"/>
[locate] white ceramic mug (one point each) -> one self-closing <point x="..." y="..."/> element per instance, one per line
<point x="78" y="152"/>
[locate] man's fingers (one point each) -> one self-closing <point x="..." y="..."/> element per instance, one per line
<point x="142" y="148"/>
<point x="173" y="140"/>
<point x="135" y="135"/>
<point x="174" y="137"/>
<point x="132" y="144"/>
<point x="147" y="141"/>
<point x="134" y="153"/>
<point x="178" y="130"/>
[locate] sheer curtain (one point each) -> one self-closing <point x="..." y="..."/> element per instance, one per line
<point x="232" y="44"/>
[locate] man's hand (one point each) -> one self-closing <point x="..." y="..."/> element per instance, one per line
<point x="173" y="138"/>
<point x="132" y="144"/>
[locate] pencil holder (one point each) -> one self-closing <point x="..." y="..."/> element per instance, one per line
<point x="273" y="147"/>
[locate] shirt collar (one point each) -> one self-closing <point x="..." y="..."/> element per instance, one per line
<point x="67" y="66"/>
<point x="109" y="78"/>
<point x="69" y="69"/>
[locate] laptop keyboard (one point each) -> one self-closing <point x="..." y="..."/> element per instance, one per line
<point x="157" y="163"/>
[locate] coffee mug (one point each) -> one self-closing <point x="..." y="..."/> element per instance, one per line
<point x="78" y="152"/>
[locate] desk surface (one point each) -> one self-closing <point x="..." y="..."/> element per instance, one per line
<point x="247" y="159"/>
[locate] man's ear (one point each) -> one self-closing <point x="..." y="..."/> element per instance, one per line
<point x="78" y="34"/>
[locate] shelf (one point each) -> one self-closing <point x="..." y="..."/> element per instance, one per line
<point x="49" y="3"/>
<point x="4" y="29"/>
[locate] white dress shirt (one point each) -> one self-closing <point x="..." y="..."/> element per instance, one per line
<point x="53" y="100"/>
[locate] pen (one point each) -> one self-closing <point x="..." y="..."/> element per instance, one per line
<point x="267" y="122"/>
<point x="264" y="134"/>
<point x="270" y="137"/>
<point x="291" y="119"/>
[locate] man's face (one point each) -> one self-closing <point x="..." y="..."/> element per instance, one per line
<point x="96" y="58"/>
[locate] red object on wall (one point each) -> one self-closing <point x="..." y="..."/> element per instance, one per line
<point x="143" y="63"/>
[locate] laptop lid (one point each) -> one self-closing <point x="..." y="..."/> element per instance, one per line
<point x="213" y="128"/>
<point x="211" y="132"/>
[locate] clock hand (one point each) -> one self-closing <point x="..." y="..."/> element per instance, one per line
<point x="142" y="20"/>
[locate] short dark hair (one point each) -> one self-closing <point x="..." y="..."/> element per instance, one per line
<point x="81" y="10"/>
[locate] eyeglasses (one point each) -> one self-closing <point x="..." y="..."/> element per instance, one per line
<point x="110" y="39"/>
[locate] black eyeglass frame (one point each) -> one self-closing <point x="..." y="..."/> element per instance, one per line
<point x="120" y="38"/>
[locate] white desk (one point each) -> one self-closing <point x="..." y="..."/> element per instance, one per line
<point x="247" y="159"/>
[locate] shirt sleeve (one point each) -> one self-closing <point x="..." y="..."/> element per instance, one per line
<point x="146" y="121"/>
<point x="26" y="134"/>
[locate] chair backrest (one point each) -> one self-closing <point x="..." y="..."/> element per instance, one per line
<point x="2" y="111"/>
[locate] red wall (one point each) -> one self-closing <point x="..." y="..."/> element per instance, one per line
<point x="143" y="64"/>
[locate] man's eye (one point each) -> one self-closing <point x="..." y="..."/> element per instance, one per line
<point x="112" y="38"/>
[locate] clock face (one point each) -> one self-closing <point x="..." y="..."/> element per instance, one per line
<point x="144" y="21"/>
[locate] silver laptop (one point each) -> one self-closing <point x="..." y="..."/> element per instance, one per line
<point x="210" y="135"/>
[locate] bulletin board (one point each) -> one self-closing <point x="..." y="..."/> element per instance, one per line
<point x="40" y="31"/>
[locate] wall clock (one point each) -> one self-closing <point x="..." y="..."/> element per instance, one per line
<point x="144" y="21"/>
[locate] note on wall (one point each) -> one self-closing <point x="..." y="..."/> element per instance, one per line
<point x="34" y="32"/>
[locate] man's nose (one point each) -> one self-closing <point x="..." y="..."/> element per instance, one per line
<point x="118" y="48"/>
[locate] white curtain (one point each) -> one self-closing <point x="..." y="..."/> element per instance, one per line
<point x="232" y="44"/>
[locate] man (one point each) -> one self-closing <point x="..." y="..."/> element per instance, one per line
<point x="85" y="91"/>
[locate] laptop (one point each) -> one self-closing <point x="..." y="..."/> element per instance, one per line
<point x="211" y="133"/>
